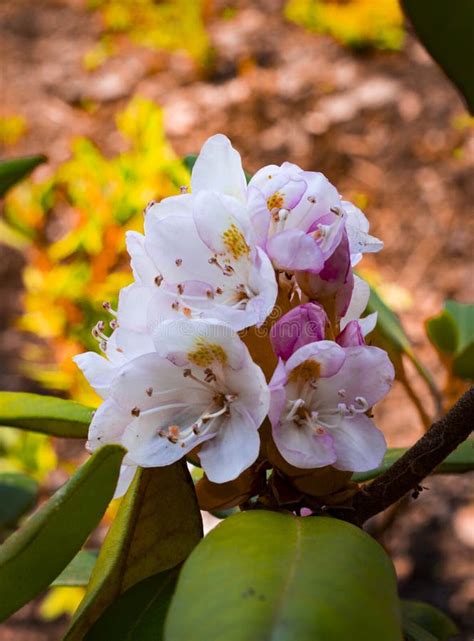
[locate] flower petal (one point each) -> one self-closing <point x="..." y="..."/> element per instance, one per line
<point x="301" y="447"/>
<point x="233" y="449"/>
<point x="358" y="303"/>
<point x="98" y="371"/>
<point x="367" y="372"/>
<point x="295" y="250"/>
<point x="327" y="354"/>
<point x="359" y="445"/>
<point x="200" y="342"/>
<point x="219" y="167"/>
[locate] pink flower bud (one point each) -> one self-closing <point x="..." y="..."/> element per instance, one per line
<point x="303" y="324"/>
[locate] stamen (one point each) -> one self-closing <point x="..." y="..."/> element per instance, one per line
<point x="135" y="411"/>
<point x="183" y="189"/>
<point x="108" y="308"/>
<point x="149" y="391"/>
<point x="158" y="280"/>
<point x="295" y="406"/>
<point x="178" y="262"/>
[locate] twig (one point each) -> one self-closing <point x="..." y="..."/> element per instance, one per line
<point x="406" y="474"/>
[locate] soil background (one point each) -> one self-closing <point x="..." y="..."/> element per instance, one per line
<point x="381" y="124"/>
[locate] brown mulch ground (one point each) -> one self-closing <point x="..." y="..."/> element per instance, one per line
<point x="375" y="123"/>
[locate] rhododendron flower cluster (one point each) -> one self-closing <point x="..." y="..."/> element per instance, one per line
<point x="242" y="330"/>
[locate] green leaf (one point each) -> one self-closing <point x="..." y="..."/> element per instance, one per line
<point x="12" y="171"/>
<point x="79" y="571"/>
<point x="394" y="337"/>
<point x="18" y="494"/>
<point x="156" y="527"/>
<point x="418" y="616"/>
<point x="447" y="31"/>
<point x="266" y="575"/>
<point x="139" y="613"/>
<point x="452" y="333"/>
<point x="458" y="462"/>
<point x="36" y="553"/>
<point x="45" y="414"/>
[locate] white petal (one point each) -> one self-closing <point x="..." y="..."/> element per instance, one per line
<point x="327" y="354"/>
<point x="301" y="447"/>
<point x="233" y="449"/>
<point x="144" y="270"/>
<point x="98" y="371"/>
<point x="219" y="220"/>
<point x="201" y="342"/>
<point x="107" y="426"/>
<point x="367" y="372"/>
<point x="219" y="167"/>
<point x="177" y="249"/>
<point x="357" y="226"/>
<point x="359" y="445"/>
<point x="359" y="300"/>
<point x="368" y="323"/>
<point x="127" y="472"/>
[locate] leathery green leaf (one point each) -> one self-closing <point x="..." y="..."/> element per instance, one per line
<point x="78" y="572"/>
<point x="458" y="462"/>
<point x="417" y="616"/>
<point x="18" y="494"/>
<point x="139" y="613"/>
<point x="266" y="575"/>
<point x="45" y="414"/>
<point x="35" y="554"/>
<point x="447" y="31"/>
<point x="156" y="527"/>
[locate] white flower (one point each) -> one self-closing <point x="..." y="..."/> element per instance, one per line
<point x="319" y="401"/>
<point x="198" y="387"/>
<point x="296" y="215"/>
<point x="199" y="250"/>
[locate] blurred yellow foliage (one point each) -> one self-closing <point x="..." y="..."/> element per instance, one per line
<point x="75" y="222"/>
<point x="357" y="23"/>
<point x="171" y="25"/>
<point x="61" y="601"/>
<point x="26" y="452"/>
<point x="12" y="128"/>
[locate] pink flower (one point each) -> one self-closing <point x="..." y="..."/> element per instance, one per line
<point x="319" y="400"/>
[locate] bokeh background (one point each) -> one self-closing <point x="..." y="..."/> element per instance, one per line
<point x="117" y="92"/>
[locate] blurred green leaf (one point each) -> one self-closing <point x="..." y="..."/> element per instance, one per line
<point x="447" y="32"/>
<point x="452" y="333"/>
<point x="267" y="575"/>
<point x="139" y="613"/>
<point x="18" y="494"/>
<point x="12" y="171"/>
<point x="156" y="527"/>
<point x="45" y="414"/>
<point x="394" y="338"/>
<point x="79" y="571"/>
<point x="423" y="621"/>
<point x="35" y="554"/>
<point x="458" y="462"/>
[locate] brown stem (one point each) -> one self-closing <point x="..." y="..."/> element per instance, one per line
<point x="406" y="474"/>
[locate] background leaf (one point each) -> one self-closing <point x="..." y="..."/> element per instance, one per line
<point x="417" y="615"/>
<point x="18" y="494"/>
<point x="34" y="555"/>
<point x="45" y="414"/>
<point x="458" y="462"/>
<point x="139" y="613"/>
<point x="267" y="575"/>
<point x="156" y="527"/>
<point x="12" y="171"/>
<point x="394" y="339"/>
<point x="79" y="571"/>
<point x="447" y="31"/>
